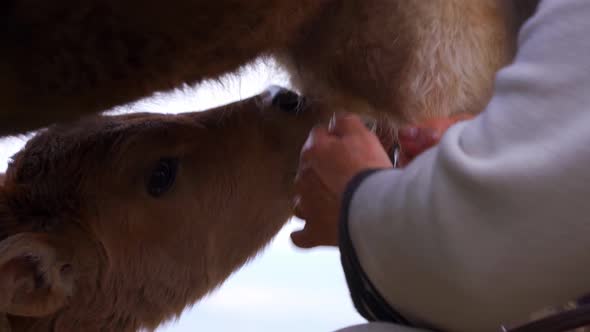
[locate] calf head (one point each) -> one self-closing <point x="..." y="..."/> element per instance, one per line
<point x="120" y="222"/>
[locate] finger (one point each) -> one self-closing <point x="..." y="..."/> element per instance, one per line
<point x="302" y="239"/>
<point x="422" y="134"/>
<point x="436" y="126"/>
<point x="318" y="140"/>
<point x="310" y="187"/>
<point x="298" y="208"/>
<point x="348" y="124"/>
<point x="416" y="140"/>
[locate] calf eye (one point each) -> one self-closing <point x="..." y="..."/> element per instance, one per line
<point x="162" y="177"/>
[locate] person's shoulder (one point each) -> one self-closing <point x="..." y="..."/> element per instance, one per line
<point x="557" y="35"/>
<point x="565" y="12"/>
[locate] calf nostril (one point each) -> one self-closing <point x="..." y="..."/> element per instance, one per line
<point x="287" y="100"/>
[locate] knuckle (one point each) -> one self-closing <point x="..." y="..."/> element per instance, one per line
<point x="318" y="133"/>
<point x="350" y="119"/>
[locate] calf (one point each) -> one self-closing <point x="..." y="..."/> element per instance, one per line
<point x="118" y="223"/>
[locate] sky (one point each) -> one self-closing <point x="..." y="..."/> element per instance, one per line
<point x="284" y="288"/>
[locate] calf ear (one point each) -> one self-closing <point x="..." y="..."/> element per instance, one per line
<point x="34" y="280"/>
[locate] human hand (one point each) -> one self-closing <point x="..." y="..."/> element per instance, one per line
<point x="416" y="139"/>
<point x="329" y="160"/>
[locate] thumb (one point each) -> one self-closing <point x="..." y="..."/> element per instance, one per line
<point x="302" y="239"/>
<point x="318" y="139"/>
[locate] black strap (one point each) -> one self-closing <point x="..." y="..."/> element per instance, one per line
<point x="561" y="322"/>
<point x="367" y="300"/>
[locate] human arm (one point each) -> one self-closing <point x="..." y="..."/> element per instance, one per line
<point x="492" y="224"/>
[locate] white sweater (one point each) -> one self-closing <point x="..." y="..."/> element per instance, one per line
<point x="494" y="223"/>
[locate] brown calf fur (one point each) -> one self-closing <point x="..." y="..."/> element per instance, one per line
<point x="91" y="240"/>
<point x="407" y="59"/>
